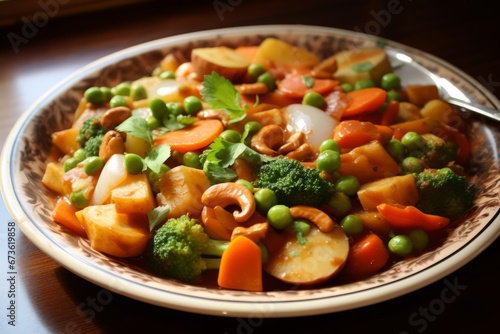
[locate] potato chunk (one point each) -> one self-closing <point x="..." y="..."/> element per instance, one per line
<point x="114" y="233"/>
<point x="355" y="65"/>
<point x="400" y="189"/>
<point x="181" y="189"/>
<point x="273" y="52"/>
<point x="133" y="195"/>
<point x="223" y="60"/>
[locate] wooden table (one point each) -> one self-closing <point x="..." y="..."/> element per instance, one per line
<point x="50" y="299"/>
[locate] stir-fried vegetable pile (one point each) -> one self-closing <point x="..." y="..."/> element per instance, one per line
<point x="257" y="163"/>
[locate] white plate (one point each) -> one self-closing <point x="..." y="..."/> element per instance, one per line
<point x="24" y="157"/>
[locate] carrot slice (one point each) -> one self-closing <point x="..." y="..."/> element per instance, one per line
<point x="390" y="113"/>
<point x="353" y="133"/>
<point x="191" y="138"/>
<point x="241" y="266"/>
<point x="411" y="217"/>
<point x="365" y="101"/>
<point x="295" y="86"/>
<point x="64" y="214"/>
<point x="248" y="52"/>
<point x="366" y="257"/>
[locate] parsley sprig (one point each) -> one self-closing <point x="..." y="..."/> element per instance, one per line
<point x="220" y="93"/>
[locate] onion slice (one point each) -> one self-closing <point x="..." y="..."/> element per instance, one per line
<point x="314" y="122"/>
<point x="112" y="175"/>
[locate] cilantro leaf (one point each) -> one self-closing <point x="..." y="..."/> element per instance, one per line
<point x="157" y="156"/>
<point x="362" y="67"/>
<point x="157" y="216"/>
<point x="220" y="93"/>
<point x="222" y="154"/>
<point x="136" y="126"/>
<point x="308" y="81"/>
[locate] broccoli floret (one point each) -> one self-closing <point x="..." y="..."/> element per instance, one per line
<point x="90" y="136"/>
<point x="443" y="192"/>
<point x="293" y="183"/>
<point x="435" y="152"/>
<point x="178" y="247"/>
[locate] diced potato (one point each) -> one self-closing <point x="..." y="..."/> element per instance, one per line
<point x="181" y="189"/>
<point x="114" y="233"/>
<point x="362" y="64"/>
<point x="368" y="162"/>
<point x="407" y="112"/>
<point x="321" y="258"/>
<point x="421" y="94"/>
<point x="223" y="60"/>
<point x="400" y="189"/>
<point x="65" y="140"/>
<point x="169" y="63"/>
<point x="274" y="52"/>
<point x="133" y="195"/>
<point x="375" y="222"/>
<point x="53" y="177"/>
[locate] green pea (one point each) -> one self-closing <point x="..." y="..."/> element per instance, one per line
<point x="396" y="149"/>
<point x="279" y="216"/>
<point x="138" y="92"/>
<point x="392" y="95"/>
<point x="231" y="136"/>
<point x="329" y="144"/>
<point x="94" y="95"/>
<point x="268" y="79"/>
<point x="347" y="184"/>
<point x="175" y="108"/>
<point x="69" y="164"/>
<point x="328" y="161"/>
<point x="314" y="99"/>
<point x="158" y="107"/>
<point x="419" y="239"/>
<point x="122" y="89"/>
<point x="153" y="123"/>
<point x="390" y="81"/>
<point x="340" y="202"/>
<point x="364" y="83"/>
<point x="265" y="199"/>
<point x="192" y="105"/>
<point x="254" y="70"/>
<point x="92" y="165"/>
<point x="352" y="224"/>
<point x="118" y="101"/>
<point x="191" y="159"/>
<point x="167" y="75"/>
<point x="347" y="87"/>
<point x="252" y="127"/>
<point x="106" y="91"/>
<point x="412" y="165"/>
<point x="80" y="155"/>
<point x="412" y="141"/>
<point x="134" y="163"/>
<point x="78" y="199"/>
<point x="246" y="184"/>
<point x="400" y="245"/>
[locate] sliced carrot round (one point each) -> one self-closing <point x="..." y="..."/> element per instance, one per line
<point x="365" y="101"/>
<point x="294" y="86"/>
<point x="193" y="137"/>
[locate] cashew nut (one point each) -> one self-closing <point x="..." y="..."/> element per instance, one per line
<point x="319" y="218"/>
<point x="267" y="139"/>
<point x="115" y="116"/>
<point x="292" y="143"/>
<point x="230" y="193"/>
<point x="255" y="232"/>
<point x="214" y="114"/>
<point x="252" y="88"/>
<point x="302" y="153"/>
<point x="112" y="143"/>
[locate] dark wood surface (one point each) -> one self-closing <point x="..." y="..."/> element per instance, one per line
<point x="50" y="299"/>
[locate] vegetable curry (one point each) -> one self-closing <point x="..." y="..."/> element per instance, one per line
<point x="250" y="166"/>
